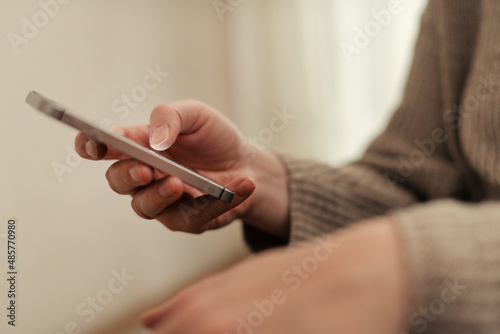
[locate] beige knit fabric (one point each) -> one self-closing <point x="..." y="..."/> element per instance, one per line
<point x="436" y="169"/>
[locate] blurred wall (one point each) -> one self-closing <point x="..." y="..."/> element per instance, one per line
<point x="249" y="61"/>
<point x="338" y="66"/>
<point x="73" y="230"/>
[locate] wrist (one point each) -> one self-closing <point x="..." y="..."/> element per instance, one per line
<point x="268" y="209"/>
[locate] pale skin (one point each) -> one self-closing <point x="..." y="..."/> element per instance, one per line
<point x="360" y="288"/>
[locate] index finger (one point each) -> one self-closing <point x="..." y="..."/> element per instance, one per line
<point x="89" y="149"/>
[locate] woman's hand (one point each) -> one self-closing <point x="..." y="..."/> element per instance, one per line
<point x="197" y="136"/>
<point x="352" y="282"/>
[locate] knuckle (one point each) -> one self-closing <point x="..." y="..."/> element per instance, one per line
<point x="160" y="109"/>
<point x="119" y="178"/>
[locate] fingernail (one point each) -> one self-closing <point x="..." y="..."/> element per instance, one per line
<point x="245" y="187"/>
<point x="91" y="149"/>
<point x="135" y="174"/>
<point x="159" y="137"/>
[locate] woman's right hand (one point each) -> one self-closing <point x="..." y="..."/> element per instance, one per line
<point x="197" y="136"/>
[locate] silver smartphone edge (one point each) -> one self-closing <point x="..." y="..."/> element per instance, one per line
<point x="127" y="146"/>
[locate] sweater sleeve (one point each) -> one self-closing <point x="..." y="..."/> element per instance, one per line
<point x="451" y="251"/>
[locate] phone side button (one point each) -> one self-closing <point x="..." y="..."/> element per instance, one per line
<point x="226" y="195"/>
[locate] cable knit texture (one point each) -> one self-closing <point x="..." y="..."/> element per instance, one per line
<point x="435" y="169"/>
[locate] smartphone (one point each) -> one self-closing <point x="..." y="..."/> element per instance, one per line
<point x="103" y="135"/>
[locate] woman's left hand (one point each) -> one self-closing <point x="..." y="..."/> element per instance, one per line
<point x="350" y="282"/>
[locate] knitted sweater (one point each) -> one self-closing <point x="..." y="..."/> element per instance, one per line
<point x="435" y="169"/>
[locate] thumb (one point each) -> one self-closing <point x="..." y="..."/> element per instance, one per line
<point x="164" y="126"/>
<point x="169" y="120"/>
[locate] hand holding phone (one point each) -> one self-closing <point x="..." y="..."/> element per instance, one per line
<point x="200" y="138"/>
